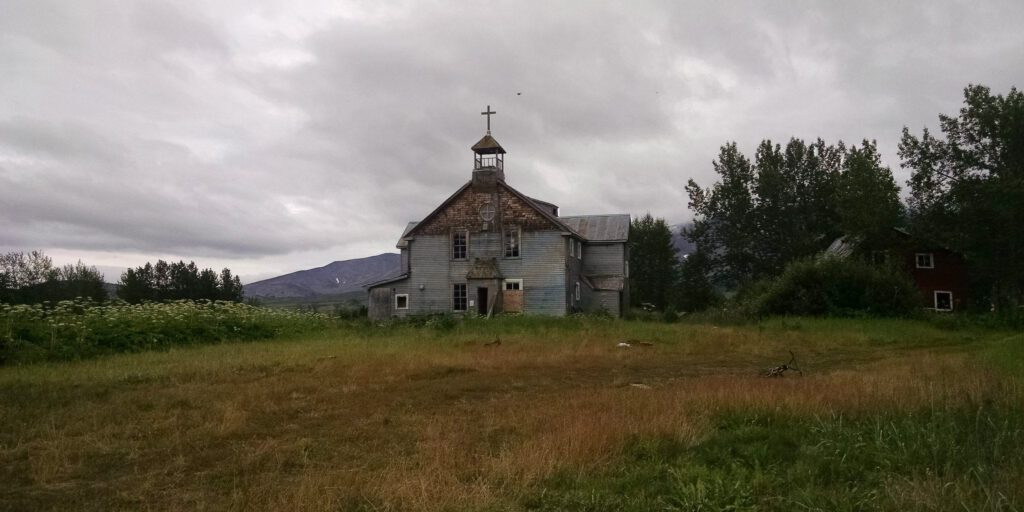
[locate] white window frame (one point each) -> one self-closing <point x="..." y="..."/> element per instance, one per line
<point x="577" y="291"/>
<point x="507" y="282"/>
<point x="931" y="260"/>
<point x="579" y="250"/>
<point x="406" y="295"/>
<point x="519" y="242"/>
<point x="935" y="300"/>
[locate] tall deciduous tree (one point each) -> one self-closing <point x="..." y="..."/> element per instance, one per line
<point x="967" y="188"/>
<point x="652" y="262"/>
<point x="791" y="202"/>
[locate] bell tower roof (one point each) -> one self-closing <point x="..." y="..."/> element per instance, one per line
<point x="488" y="146"/>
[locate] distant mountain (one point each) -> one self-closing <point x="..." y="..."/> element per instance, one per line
<point x="336" y="278"/>
<point x="682" y="245"/>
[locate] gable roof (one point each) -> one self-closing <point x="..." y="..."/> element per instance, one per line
<point x="411" y="228"/>
<point x="600" y="228"/>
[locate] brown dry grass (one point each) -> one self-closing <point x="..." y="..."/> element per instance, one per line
<point x="415" y="420"/>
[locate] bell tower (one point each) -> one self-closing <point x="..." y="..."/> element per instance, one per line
<point x="488" y="155"/>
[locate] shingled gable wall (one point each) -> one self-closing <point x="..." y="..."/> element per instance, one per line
<point x="463" y="212"/>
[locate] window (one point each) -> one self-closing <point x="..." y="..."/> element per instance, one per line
<point x="402" y="301"/>
<point x="460" y="244"/>
<point x="577" y="291"/>
<point x="512" y="242"/>
<point x="879" y="257"/>
<point x="459" y="297"/>
<point x="626" y="269"/>
<point x="513" y="284"/>
<point x="579" y="250"/>
<point x="925" y="260"/>
<point x="943" y="301"/>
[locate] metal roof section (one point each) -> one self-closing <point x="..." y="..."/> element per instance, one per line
<point x="552" y="208"/>
<point x="600" y="228"/>
<point x="402" y="242"/>
<point x="842" y="247"/>
<point x="388" y="280"/>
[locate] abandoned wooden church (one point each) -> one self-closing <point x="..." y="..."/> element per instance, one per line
<point x="490" y="249"/>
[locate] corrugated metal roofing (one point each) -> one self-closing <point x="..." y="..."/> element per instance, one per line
<point x="600" y="228"/>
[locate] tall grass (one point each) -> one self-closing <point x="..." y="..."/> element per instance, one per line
<point x="406" y="417"/>
<point x="82" y="328"/>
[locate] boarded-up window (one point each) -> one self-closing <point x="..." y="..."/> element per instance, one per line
<point x="512" y="296"/>
<point x="512" y="242"/>
<point x="459" y="297"/>
<point x="460" y="244"/>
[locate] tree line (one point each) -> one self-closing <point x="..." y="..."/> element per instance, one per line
<point x="788" y="203"/>
<point x="175" y="281"/>
<point x="31" y="278"/>
<point x="28" y="278"/>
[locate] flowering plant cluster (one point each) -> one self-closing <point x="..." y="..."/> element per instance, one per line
<point x="79" y="328"/>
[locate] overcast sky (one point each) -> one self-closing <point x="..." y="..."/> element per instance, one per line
<point x="275" y="136"/>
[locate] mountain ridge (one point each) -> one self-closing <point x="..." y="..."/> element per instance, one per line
<point x="335" y="278"/>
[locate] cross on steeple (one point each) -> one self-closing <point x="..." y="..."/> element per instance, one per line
<point x="488" y="114"/>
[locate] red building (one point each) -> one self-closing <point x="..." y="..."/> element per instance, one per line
<point x="939" y="273"/>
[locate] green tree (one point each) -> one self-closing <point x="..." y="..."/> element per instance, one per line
<point x="230" y="286"/>
<point x="789" y="204"/>
<point x="696" y="292"/>
<point x="967" y="188"/>
<point x="652" y="262"/>
<point x="868" y="199"/>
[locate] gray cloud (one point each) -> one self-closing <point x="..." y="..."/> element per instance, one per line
<point x="275" y="135"/>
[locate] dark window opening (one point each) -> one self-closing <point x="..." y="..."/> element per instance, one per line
<point x="459" y="297"/>
<point x="460" y="245"/>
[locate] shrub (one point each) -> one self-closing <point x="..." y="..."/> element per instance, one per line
<point x="833" y="287"/>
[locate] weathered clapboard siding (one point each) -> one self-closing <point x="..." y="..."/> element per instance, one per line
<point x="605" y="301"/>
<point x="541" y="266"/>
<point x="574" y="273"/>
<point x="604" y="259"/>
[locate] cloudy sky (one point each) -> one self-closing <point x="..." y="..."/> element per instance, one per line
<point x="271" y="136"/>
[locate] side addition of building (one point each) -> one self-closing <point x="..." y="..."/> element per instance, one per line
<point x="490" y="249"/>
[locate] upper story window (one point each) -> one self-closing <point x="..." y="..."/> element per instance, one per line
<point x="460" y="244"/>
<point x="575" y="248"/>
<point x="512" y="242"/>
<point x="579" y="250"/>
<point x="925" y="260"/>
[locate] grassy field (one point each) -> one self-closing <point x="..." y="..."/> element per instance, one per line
<point x="889" y="415"/>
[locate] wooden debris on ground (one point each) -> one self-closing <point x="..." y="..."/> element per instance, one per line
<point x="779" y="371"/>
